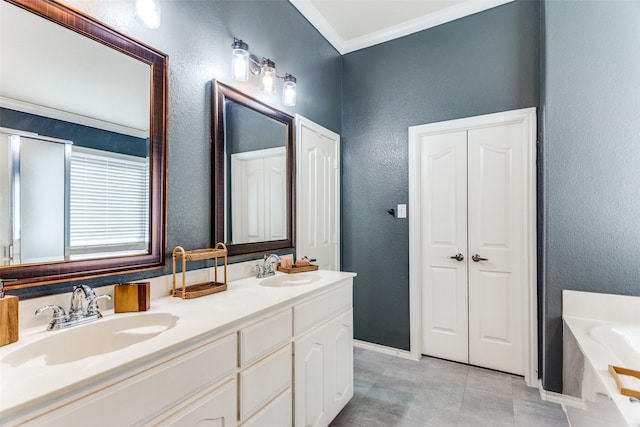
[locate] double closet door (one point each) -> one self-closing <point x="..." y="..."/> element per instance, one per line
<point x="473" y="207"/>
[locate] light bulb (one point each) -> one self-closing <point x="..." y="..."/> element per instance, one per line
<point x="240" y="60"/>
<point x="289" y="90"/>
<point x="268" y="76"/>
<point x="148" y="13"/>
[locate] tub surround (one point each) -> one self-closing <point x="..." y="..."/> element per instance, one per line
<point x="587" y="356"/>
<point x="36" y="388"/>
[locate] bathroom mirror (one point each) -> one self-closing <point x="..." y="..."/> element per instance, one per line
<point x="82" y="147"/>
<point x="253" y="173"/>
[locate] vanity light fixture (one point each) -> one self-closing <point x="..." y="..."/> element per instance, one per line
<point x="243" y="63"/>
<point x="148" y="13"/>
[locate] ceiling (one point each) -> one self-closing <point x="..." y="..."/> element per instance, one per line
<point x="351" y="25"/>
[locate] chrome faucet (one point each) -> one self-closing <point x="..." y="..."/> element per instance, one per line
<point x="79" y="313"/>
<point x="266" y="269"/>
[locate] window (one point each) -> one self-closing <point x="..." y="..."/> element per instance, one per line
<point x="109" y="203"/>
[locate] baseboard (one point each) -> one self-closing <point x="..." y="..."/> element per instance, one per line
<point x="559" y="398"/>
<point x="383" y="349"/>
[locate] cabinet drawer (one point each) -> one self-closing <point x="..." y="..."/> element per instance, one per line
<point x="311" y="313"/>
<point x="263" y="381"/>
<point x="277" y="413"/>
<point x="215" y="408"/>
<point x="149" y="393"/>
<point x="264" y="336"/>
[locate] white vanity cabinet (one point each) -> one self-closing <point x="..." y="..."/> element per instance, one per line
<point x="286" y="360"/>
<point x="323" y="356"/>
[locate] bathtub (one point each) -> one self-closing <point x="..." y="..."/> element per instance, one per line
<point x="622" y="340"/>
<point x="599" y="330"/>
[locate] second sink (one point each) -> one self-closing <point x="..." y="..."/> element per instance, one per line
<point x="288" y="280"/>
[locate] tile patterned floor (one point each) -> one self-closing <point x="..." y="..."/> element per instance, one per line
<point x="395" y="392"/>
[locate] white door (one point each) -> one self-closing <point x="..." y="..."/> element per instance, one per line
<point x="496" y="212"/>
<point x="444" y="224"/>
<point x="259" y="195"/>
<point x="473" y="243"/>
<point x="318" y="194"/>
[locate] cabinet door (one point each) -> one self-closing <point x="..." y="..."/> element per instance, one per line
<point x="310" y="371"/>
<point x="340" y="369"/>
<point x="215" y="408"/>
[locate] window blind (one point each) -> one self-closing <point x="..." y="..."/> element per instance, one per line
<point x="109" y="201"/>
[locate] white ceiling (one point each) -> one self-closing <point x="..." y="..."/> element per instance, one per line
<point x="351" y="25"/>
<point x="52" y="71"/>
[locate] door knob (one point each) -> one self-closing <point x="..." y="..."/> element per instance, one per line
<point x="457" y="257"/>
<point x="478" y="258"/>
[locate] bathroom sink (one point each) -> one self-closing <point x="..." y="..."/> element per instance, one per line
<point x="92" y="339"/>
<point x="289" y="280"/>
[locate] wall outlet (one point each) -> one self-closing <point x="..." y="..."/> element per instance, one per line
<point x="402" y="211"/>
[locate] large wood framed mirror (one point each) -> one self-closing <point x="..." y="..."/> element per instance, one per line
<point x="253" y="173"/>
<point x="83" y="111"/>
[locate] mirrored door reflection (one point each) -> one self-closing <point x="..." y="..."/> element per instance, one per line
<point x="256" y="189"/>
<point x="61" y="202"/>
<point x="34" y="221"/>
<point x="258" y="195"/>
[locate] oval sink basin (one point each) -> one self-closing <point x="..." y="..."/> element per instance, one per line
<point x="288" y="280"/>
<point x="92" y="339"/>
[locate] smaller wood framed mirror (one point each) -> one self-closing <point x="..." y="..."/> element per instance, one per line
<point x="253" y="174"/>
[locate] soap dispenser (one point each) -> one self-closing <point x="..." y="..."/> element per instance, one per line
<point x="8" y="316"/>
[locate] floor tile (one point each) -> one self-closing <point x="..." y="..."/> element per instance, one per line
<point x="489" y="381"/>
<point x="394" y="392"/>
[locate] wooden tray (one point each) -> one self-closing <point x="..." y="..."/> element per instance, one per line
<point x="200" y="290"/>
<point x="616" y="371"/>
<point x="295" y="269"/>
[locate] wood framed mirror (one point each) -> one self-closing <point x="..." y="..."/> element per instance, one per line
<point x="253" y="173"/>
<point x="91" y="96"/>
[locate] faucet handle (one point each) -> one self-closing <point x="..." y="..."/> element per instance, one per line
<point x="88" y="291"/>
<point x="92" y="306"/>
<point x="59" y="315"/>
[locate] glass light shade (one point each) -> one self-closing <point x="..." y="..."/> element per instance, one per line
<point x="148" y="13"/>
<point x="240" y="60"/>
<point x="289" y="90"/>
<point x="268" y="75"/>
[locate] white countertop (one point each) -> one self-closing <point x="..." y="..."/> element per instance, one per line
<point x="27" y="386"/>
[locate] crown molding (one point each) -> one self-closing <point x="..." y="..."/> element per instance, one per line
<point x="470" y="7"/>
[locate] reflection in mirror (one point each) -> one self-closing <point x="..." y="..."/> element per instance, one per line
<point x="255" y="146"/>
<point x="82" y="143"/>
<point x="253" y="173"/>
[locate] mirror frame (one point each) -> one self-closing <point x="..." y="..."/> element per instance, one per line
<point x="221" y="93"/>
<point x="29" y="275"/>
